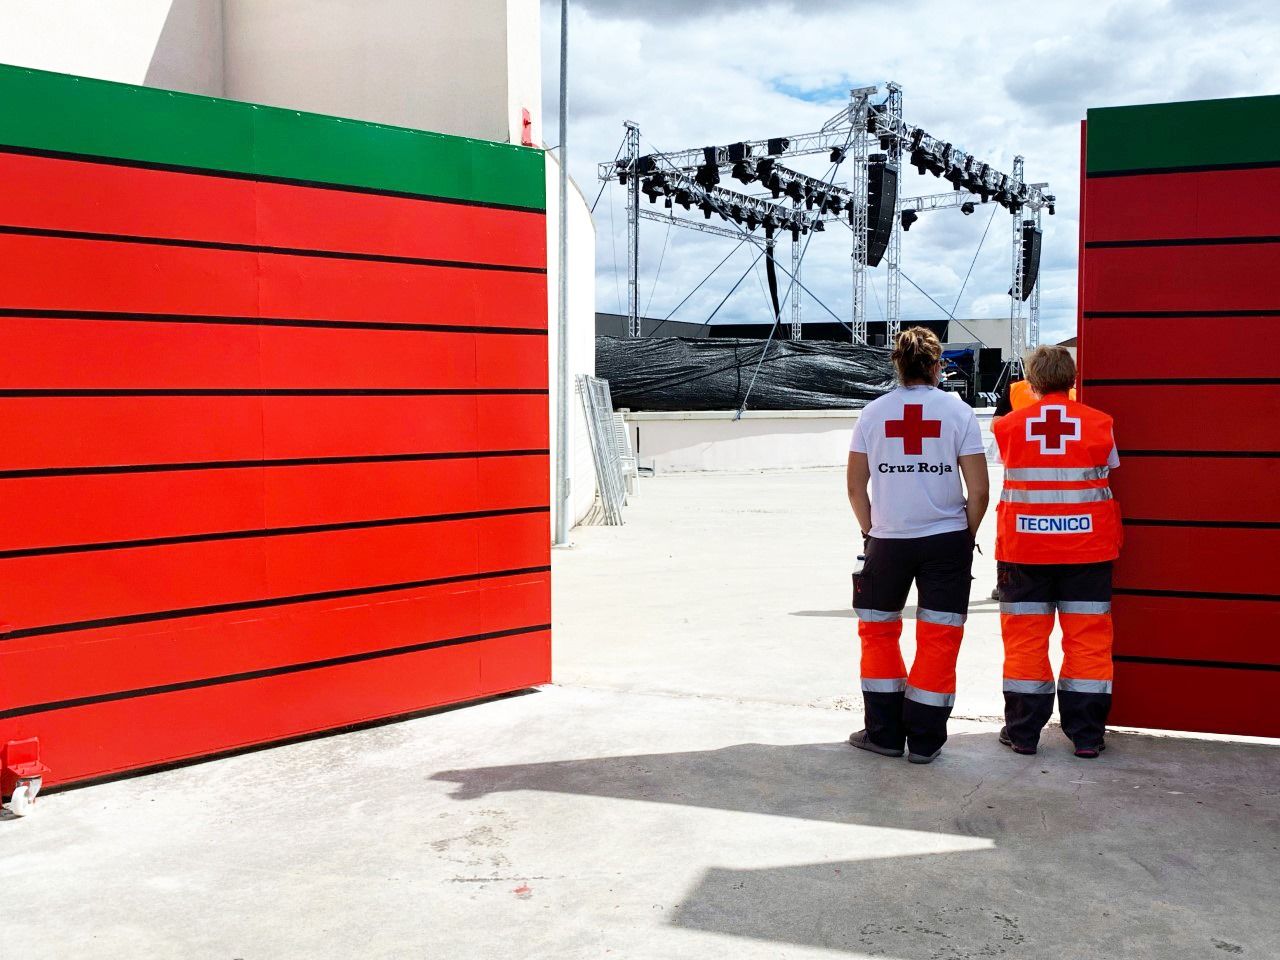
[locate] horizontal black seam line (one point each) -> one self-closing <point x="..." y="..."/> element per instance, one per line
<point x="1180" y="242"/>
<point x="263" y="603"/>
<point x="268" y="532"/>
<point x="1188" y="168"/>
<point x="268" y="672"/>
<point x="1180" y="314"/>
<point x="27" y="394"/>
<point x="41" y="314"/>
<point x="1206" y="454"/>
<point x="109" y="469"/>
<point x="1182" y="382"/>
<point x="1195" y="594"/>
<point x="1209" y="524"/>
<point x="262" y="178"/>
<point x="52" y="234"/>
<point x="1211" y="664"/>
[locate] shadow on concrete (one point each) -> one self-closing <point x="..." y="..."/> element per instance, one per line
<point x="1157" y="850"/>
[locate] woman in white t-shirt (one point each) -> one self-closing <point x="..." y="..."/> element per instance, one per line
<point x="912" y="447"/>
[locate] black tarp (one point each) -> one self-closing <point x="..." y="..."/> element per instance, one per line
<point x="674" y="373"/>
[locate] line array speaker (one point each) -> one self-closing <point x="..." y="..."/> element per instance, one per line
<point x="882" y="207"/>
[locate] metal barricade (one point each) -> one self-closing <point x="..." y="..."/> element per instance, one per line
<point x="606" y="452"/>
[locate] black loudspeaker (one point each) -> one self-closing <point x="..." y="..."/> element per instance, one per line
<point x="1030" y="257"/>
<point x="990" y="365"/>
<point x="882" y="205"/>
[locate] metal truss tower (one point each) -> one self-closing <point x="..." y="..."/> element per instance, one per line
<point x="797" y="330"/>
<point x="632" y="151"/>
<point x="1033" y="318"/>
<point x="893" y="255"/>
<point x="1017" y="320"/>
<point x="859" y="148"/>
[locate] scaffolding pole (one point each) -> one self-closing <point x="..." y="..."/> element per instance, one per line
<point x="633" y="229"/>
<point x="1017" y="320"/>
<point x="796" y="331"/>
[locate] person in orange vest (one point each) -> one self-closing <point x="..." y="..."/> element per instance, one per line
<point x="911" y="447"/>
<point x="1057" y="533"/>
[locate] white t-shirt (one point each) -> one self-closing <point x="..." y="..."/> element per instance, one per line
<point x="913" y="439"/>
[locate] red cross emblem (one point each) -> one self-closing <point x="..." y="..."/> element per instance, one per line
<point x="913" y="428"/>
<point x="1052" y="429"/>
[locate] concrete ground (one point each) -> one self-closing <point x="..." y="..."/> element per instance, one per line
<point x="682" y="791"/>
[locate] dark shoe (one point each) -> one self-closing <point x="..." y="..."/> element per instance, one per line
<point x="923" y="758"/>
<point x="863" y="742"/>
<point x="1016" y="748"/>
<point x="1090" y="753"/>
<point x="995" y="594"/>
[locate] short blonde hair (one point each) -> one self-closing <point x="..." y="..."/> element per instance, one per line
<point x="1051" y="370"/>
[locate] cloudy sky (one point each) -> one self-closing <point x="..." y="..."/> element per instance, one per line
<point x="996" y="78"/>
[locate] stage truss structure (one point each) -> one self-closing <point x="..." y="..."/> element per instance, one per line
<point x="691" y="178"/>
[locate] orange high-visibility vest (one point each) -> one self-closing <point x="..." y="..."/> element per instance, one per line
<point x="1056" y="506"/>
<point x="1021" y="395"/>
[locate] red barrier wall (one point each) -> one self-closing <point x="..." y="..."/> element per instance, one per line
<point x="273" y="451"/>
<point x="1180" y="248"/>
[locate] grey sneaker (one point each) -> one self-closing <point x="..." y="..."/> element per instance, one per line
<point x="924" y="758"/>
<point x="863" y="742"/>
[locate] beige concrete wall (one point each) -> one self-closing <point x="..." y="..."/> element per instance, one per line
<point x="438" y="65"/>
<point x="697" y="441"/>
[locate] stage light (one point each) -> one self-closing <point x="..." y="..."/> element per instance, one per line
<point x="738" y="151"/>
<point x="919" y="160"/>
<point x="764" y="168"/>
<point x="706" y="208"/>
<point x="837" y="154"/>
<point x="645" y="165"/>
<point x="684" y="198"/>
<point x="794" y="191"/>
<point x="735" y="213"/>
<point x="1050" y="199"/>
<point x="886" y="142"/>
<point x="778" y="145"/>
<point x="667" y="202"/>
<point x="872" y="112"/>
<point x="908" y="218"/>
<point x="819" y="226"/>
<point x="708" y="175"/>
<point x="752" y="221"/>
<point x="967" y="207"/>
<point x="770" y="224"/>
<point x="742" y="172"/>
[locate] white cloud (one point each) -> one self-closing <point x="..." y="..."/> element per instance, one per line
<point x="1000" y="79"/>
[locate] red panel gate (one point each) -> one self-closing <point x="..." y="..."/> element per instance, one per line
<point x="1180" y="248"/>
<point x="273" y="423"/>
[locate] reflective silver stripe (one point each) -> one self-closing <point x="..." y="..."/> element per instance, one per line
<point x="877" y="616"/>
<point x="884" y="686"/>
<point x="1066" y="474"/>
<point x="1082" y="686"/>
<point x="1084" y="606"/>
<point x="1028" y="686"/>
<point x="941" y="616"/>
<point x="930" y="698"/>
<point x="1085" y="495"/>
<point x="1027" y="609"/>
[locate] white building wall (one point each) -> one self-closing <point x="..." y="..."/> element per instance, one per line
<point x="581" y="339"/>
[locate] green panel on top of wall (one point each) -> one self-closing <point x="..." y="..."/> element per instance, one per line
<point x="1198" y="133"/>
<point x="77" y="115"/>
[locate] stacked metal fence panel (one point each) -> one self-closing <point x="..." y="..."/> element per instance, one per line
<point x="273" y="423"/>
<point x="1180" y="241"/>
